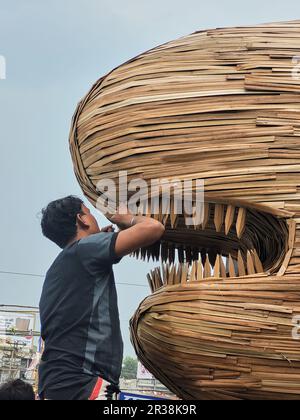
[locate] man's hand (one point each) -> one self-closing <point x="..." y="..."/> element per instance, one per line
<point x="122" y="218"/>
<point x="136" y="231"/>
<point x="109" y="228"/>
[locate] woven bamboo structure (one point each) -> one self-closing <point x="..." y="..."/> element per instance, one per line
<point x="224" y="106"/>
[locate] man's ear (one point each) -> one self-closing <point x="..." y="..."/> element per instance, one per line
<point x="81" y="221"/>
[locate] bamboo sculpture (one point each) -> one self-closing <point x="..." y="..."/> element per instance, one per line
<point x="224" y="106"/>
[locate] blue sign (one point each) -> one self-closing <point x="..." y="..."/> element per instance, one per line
<point x="124" y="396"/>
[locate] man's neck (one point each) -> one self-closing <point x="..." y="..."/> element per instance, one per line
<point x="80" y="235"/>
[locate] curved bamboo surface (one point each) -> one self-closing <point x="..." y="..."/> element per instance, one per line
<point x="223" y="106"/>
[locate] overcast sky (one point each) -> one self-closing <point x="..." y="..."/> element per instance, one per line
<point x="54" y="52"/>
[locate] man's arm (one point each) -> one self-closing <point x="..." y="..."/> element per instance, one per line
<point x="137" y="232"/>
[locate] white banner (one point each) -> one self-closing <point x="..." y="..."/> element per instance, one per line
<point x="12" y="325"/>
<point x="143" y="373"/>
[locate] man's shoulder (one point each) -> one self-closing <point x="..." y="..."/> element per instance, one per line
<point x="95" y="239"/>
<point x="98" y="244"/>
<point x="98" y="250"/>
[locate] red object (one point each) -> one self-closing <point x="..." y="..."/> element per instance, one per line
<point x="96" y="390"/>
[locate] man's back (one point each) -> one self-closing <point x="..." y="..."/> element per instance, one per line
<point x="80" y="320"/>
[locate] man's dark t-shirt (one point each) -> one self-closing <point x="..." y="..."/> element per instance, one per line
<point x="80" y="320"/>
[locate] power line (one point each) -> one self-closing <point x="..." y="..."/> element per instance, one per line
<point x="10" y="273"/>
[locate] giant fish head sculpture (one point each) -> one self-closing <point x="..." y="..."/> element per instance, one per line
<point x="222" y="106"/>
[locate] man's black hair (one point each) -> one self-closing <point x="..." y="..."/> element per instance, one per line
<point x="16" y="391"/>
<point x="59" y="220"/>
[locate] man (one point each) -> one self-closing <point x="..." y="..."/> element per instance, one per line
<point x="16" y="391"/>
<point x="78" y="307"/>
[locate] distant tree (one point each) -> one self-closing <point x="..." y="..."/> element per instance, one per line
<point x="129" y="370"/>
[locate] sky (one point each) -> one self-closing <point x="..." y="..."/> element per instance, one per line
<point x="54" y="51"/>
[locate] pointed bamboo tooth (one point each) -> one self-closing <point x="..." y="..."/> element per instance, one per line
<point x="230" y="212"/>
<point x="250" y="264"/>
<point x="162" y="281"/>
<point x="150" y="283"/>
<point x="159" y="280"/>
<point x="165" y="211"/>
<point x="165" y="219"/>
<point x="219" y="217"/>
<point x="241" y="265"/>
<point x="171" y="277"/>
<point x="175" y="280"/>
<point x="241" y="222"/>
<point x="178" y="274"/>
<point x="160" y="212"/>
<point x="184" y="274"/>
<point x="137" y="253"/>
<point x="148" y="253"/>
<point x="257" y="263"/>
<point x="143" y="254"/>
<point x="231" y="267"/>
<point x="173" y="215"/>
<point x="217" y="267"/>
<point x="195" y="223"/>
<point x="195" y="217"/>
<point x="153" y="254"/>
<point x="222" y="268"/>
<point x="166" y="207"/>
<point x="153" y="282"/>
<point x="164" y="273"/>
<point x="207" y="268"/>
<point x="152" y="279"/>
<point x="157" y="249"/>
<point x="206" y="215"/>
<point x="174" y="220"/>
<point x="168" y="271"/>
<point x="198" y="219"/>
<point x="184" y="253"/>
<point x="199" y="270"/>
<point x="193" y="275"/>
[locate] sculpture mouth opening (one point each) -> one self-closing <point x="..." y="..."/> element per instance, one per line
<point x="232" y="241"/>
